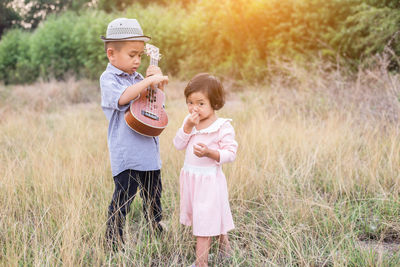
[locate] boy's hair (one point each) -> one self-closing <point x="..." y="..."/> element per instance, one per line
<point x="209" y="85"/>
<point x="117" y="45"/>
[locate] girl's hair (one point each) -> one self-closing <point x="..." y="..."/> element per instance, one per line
<point x="209" y="85"/>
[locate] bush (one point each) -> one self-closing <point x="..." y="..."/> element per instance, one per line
<point x="89" y="49"/>
<point x="15" y="58"/>
<point x="234" y="38"/>
<point x="52" y="51"/>
<point x="369" y="31"/>
<point x="164" y="26"/>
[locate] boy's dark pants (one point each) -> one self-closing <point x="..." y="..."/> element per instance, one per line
<point x="126" y="186"/>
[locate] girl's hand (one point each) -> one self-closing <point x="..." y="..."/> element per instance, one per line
<point x="192" y="121"/>
<point x="200" y="150"/>
<point x="153" y="70"/>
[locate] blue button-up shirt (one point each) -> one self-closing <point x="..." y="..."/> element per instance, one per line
<point x="128" y="149"/>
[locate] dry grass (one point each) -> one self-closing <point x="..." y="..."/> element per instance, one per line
<point x="316" y="174"/>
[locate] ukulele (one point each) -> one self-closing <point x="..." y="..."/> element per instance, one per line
<point x="146" y="114"/>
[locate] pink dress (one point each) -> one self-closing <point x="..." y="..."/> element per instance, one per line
<point x="203" y="191"/>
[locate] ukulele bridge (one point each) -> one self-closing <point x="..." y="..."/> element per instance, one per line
<point x="150" y="115"/>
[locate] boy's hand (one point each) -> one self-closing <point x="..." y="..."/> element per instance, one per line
<point x="158" y="80"/>
<point x="134" y="90"/>
<point x="153" y="70"/>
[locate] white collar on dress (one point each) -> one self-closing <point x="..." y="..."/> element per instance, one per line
<point x="213" y="127"/>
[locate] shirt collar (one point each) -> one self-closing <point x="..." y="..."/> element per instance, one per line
<point x="111" y="68"/>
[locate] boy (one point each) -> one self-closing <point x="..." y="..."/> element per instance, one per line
<point x="135" y="158"/>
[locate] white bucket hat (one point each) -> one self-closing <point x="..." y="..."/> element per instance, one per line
<point x="123" y="29"/>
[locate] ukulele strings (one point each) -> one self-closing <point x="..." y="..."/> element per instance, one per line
<point x="150" y="100"/>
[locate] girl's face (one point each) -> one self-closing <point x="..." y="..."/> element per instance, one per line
<point x="199" y="102"/>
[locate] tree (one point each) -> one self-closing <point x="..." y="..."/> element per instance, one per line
<point x="39" y="9"/>
<point x="8" y="16"/>
<point x="371" y="28"/>
<point x="384" y="3"/>
<point x="112" y="5"/>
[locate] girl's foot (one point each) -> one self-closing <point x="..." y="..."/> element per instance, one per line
<point x="225" y="251"/>
<point x="211" y="258"/>
<point x="223" y="256"/>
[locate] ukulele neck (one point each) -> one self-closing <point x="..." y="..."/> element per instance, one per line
<point x="153" y="61"/>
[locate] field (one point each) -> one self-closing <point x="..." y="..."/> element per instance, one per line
<point x="315" y="182"/>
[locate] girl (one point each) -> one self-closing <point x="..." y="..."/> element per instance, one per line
<point x="209" y="142"/>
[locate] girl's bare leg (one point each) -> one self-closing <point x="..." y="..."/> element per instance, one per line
<point x="224" y="246"/>
<point x="202" y="248"/>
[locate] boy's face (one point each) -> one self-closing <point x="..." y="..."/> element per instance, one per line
<point x="126" y="56"/>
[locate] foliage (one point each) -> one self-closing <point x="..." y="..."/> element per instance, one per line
<point x="15" y="64"/>
<point x="245" y="40"/>
<point x="163" y="26"/>
<point x="120" y="5"/>
<point x="369" y="31"/>
<point x="8" y="16"/>
<point x="38" y="10"/>
<point x="52" y="51"/>
<point x="384" y="3"/>
<point x="233" y="38"/>
<point x="86" y="43"/>
<point x="29" y="13"/>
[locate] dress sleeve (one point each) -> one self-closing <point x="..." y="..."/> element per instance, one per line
<point x="181" y="138"/>
<point x="111" y="91"/>
<point x="227" y="144"/>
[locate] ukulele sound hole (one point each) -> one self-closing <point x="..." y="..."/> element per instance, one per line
<point x="150" y="115"/>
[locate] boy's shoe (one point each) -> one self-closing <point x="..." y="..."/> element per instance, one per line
<point x="162" y="227"/>
<point x="114" y="247"/>
<point x="113" y="241"/>
<point x="158" y="229"/>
